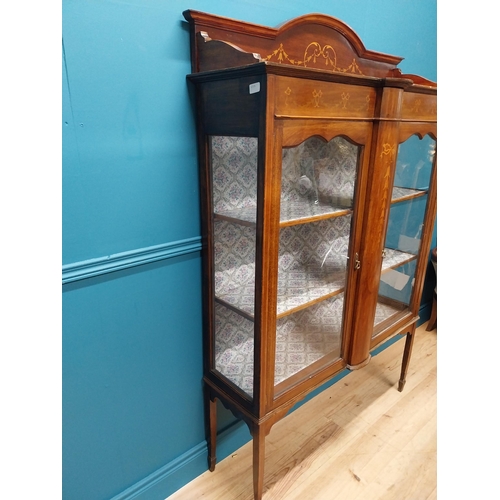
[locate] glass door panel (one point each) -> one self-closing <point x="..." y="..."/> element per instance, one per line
<point x="404" y="230"/>
<point x="317" y="194"/>
<point x="318" y="178"/>
<point x="234" y="195"/>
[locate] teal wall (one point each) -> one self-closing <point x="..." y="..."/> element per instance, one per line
<point x="132" y="392"/>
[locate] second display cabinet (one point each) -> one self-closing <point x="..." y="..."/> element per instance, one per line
<point x="317" y="167"/>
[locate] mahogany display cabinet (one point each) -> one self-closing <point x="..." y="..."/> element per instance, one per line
<point x="317" y="162"/>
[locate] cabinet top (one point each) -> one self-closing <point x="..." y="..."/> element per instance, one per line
<point x="313" y="41"/>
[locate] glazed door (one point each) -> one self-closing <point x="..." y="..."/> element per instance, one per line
<point x="403" y="241"/>
<point x="317" y="211"/>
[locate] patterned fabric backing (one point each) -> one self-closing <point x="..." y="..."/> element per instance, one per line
<point x="234" y="347"/>
<point x="234" y="256"/>
<point x="301" y="339"/>
<point x="307" y="335"/>
<point x="317" y="177"/>
<point x="234" y="167"/>
<point x="312" y="262"/>
<point x="320" y="172"/>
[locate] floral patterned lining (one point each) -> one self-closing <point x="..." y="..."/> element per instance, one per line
<point x="317" y="177"/>
<point x="301" y="339"/>
<point x="312" y="263"/>
<point x="234" y="174"/>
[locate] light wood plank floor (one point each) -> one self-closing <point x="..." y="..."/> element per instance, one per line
<point x="360" y="439"/>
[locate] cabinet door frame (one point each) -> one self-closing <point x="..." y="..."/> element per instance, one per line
<point x="410" y="316"/>
<point x="289" y="133"/>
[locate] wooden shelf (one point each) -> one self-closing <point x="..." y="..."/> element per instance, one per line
<point x="304" y="211"/>
<point x="300" y="288"/>
<point x="400" y="194"/>
<point x="243" y="216"/>
<point x="292" y="213"/>
<point x="297" y="289"/>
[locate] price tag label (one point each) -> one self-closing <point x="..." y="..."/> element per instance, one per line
<point x="253" y="88"/>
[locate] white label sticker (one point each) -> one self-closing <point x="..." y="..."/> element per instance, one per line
<point x="253" y="88"/>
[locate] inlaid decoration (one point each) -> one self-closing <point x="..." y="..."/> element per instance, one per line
<point x="388" y="150"/>
<point x="419" y="105"/>
<point x="345" y="98"/>
<point x="416" y="105"/>
<point x="313" y="54"/>
<point x="320" y="99"/>
<point x="368" y="100"/>
<point x="316" y="97"/>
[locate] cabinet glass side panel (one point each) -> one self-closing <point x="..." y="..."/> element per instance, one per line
<point x="234" y="347"/>
<point x="234" y="196"/>
<point x="317" y="192"/>
<point x="404" y="230"/>
<point x="234" y="176"/>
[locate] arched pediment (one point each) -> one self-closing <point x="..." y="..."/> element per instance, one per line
<point x="315" y="41"/>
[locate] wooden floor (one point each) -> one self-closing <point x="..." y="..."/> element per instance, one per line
<point x="360" y="439"/>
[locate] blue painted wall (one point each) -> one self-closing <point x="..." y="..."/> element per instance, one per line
<point x="132" y="394"/>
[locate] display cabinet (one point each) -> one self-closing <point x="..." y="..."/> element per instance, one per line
<point x="318" y="197"/>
